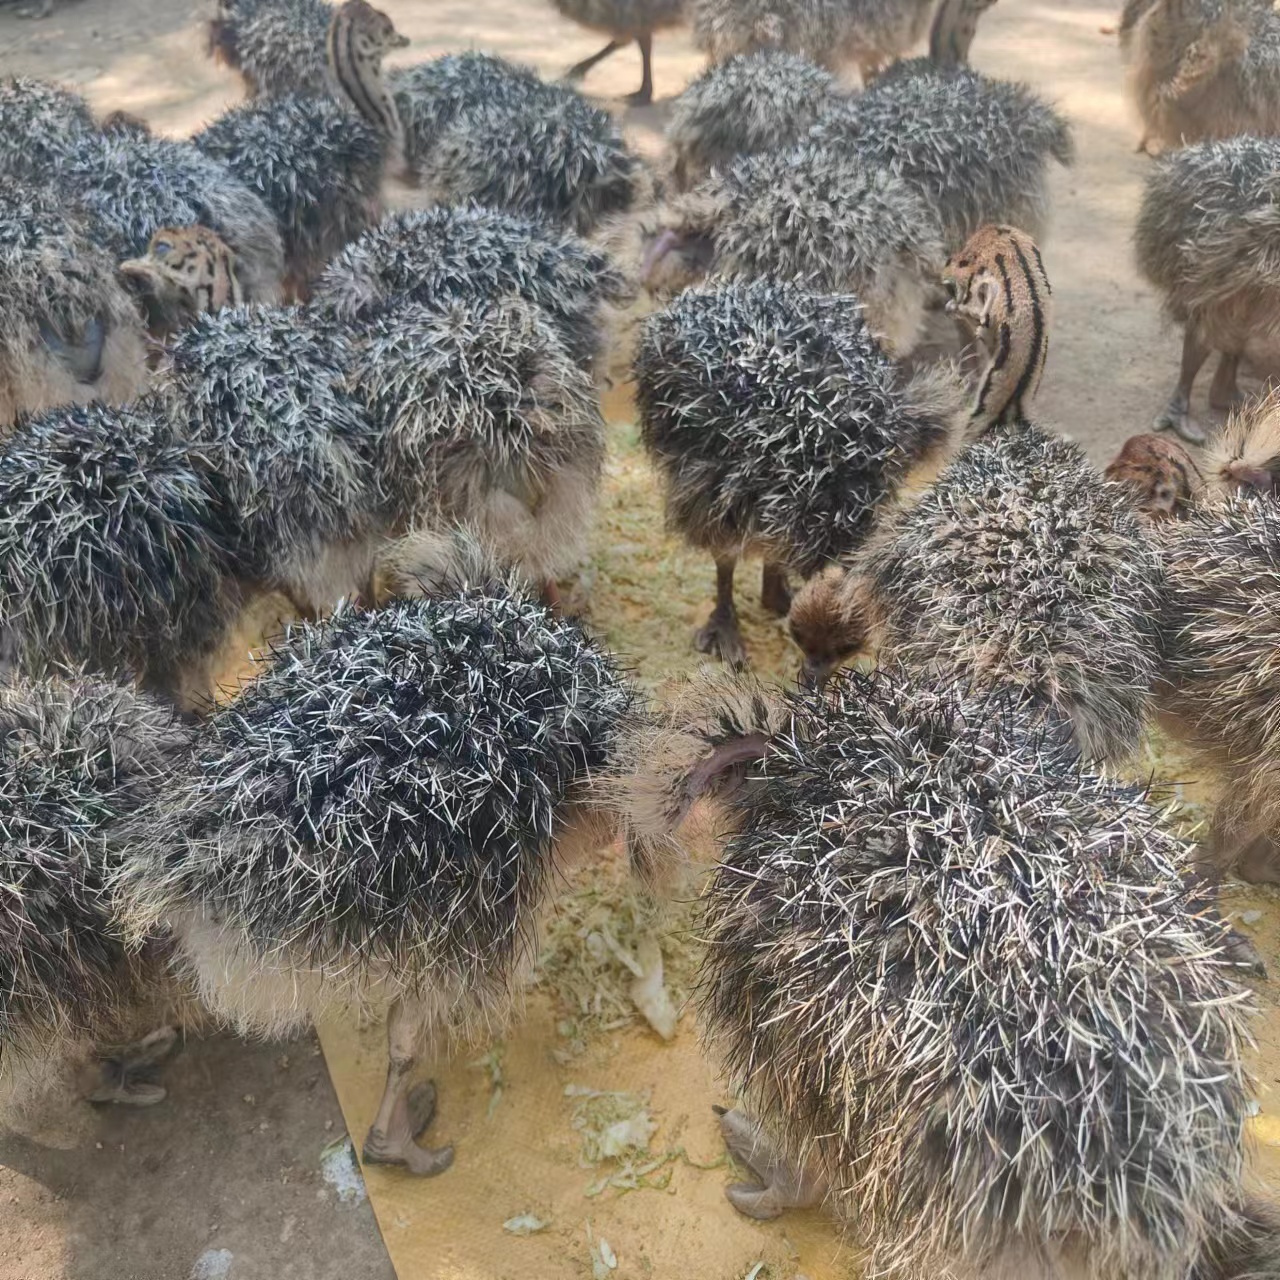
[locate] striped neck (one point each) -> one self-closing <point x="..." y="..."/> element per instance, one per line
<point x="359" y="37"/>
<point x="955" y="23"/>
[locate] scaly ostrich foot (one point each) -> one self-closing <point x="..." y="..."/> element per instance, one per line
<point x="721" y="638"/>
<point x="779" y="1184"/>
<point x="643" y="97"/>
<point x="775" y="594"/>
<point x="413" y="1114"/>
<point x="1176" y="417"/>
<point x="122" y="1074"/>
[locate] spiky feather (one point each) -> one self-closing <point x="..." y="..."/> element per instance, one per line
<point x="777" y="421"/>
<point x="277" y="46"/>
<point x="435" y="254"/>
<point x="964" y="978"/>
<point x="379" y="811"/>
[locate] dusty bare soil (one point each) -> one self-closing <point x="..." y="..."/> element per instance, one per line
<point x="216" y="1187"/>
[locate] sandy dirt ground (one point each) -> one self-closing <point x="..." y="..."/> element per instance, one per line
<point x="213" y="1186"/>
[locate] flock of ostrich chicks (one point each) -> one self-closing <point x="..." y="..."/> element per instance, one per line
<point x="972" y="986"/>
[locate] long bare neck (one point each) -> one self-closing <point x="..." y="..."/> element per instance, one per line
<point x="359" y="75"/>
<point x="955" y="23"/>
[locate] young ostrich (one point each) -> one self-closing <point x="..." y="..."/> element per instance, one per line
<point x="1207" y="239"/>
<point x="1202" y="69"/>
<point x="379" y="820"/>
<point x="113" y="553"/>
<point x="432" y="256"/>
<point x="961" y="985"/>
<point x="1019" y="567"/>
<point x="483" y="420"/>
<point x="868" y="33"/>
<point x="518" y="145"/>
<point x="185" y="272"/>
<point x="623" y="21"/>
<point x="77" y="757"/>
<point x="41" y="124"/>
<point x="816" y="216"/>
<point x="747" y="104"/>
<point x="318" y="165"/>
<point x="71" y="330"/>
<point x="277" y="46"/>
<point x="780" y="427"/>
<point x="261" y="396"/>
<point x="977" y="150"/>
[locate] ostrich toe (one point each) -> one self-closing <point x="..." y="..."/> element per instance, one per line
<point x="412" y="1115"/>
<point x="780" y="1185"/>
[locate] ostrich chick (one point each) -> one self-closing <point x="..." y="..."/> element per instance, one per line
<point x="433" y="256"/>
<point x="71" y="331"/>
<point x="186" y="272"/>
<point x="779" y="426"/>
<point x="931" y="935"/>
<point x="1208" y="240"/>
<point x="1019" y="567"/>
<point x="749" y="103"/>
<point x="317" y="164"/>
<point x="483" y="420"/>
<point x="816" y="216"/>
<point x="379" y="819"/>
<point x="77" y="757"/>
<point x="261" y="396"/>
<point x="113" y="553"/>
<point x="623" y="21"/>
<point x="1202" y="69"/>
<point x="277" y="46"/>
<point x="868" y="33"/>
<point x="507" y="140"/>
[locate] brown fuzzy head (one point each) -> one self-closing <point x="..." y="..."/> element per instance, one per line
<point x="360" y="36"/>
<point x="185" y="272"/>
<point x="828" y="623"/>
<point x="367" y="33"/>
<point x="1161" y="474"/>
<point x="999" y="289"/>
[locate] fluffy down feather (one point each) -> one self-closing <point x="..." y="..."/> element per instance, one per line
<point x="777" y="422"/>
<point x="818" y="217"/>
<point x="76" y="757"/>
<point x="261" y="393"/>
<point x="316" y="164"/>
<point x="742" y="106"/>
<point x="1208" y="236"/>
<point x="1021" y="568"/>
<point x="483" y="420"/>
<point x="71" y="332"/>
<point x="964" y="979"/>
<point x="277" y="46"/>
<point x="379" y="810"/>
<point x="436" y="254"/>
<point x="976" y="149"/>
<point x="112" y="553"/>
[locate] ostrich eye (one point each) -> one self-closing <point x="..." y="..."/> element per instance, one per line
<point x="162" y="248"/>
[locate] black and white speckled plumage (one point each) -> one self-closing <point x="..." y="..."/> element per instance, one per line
<point x="112" y="552"/>
<point x="434" y="254"/>
<point x="277" y="46"/>
<point x="965" y="980"/>
<point x="823" y="219"/>
<point x="76" y="756"/>
<point x="1222" y="661"/>
<point x="316" y="164"/>
<point x="744" y="105"/>
<point x="262" y="394"/>
<point x="1021" y="568"/>
<point x="777" y="422"/>
<point x="868" y="32"/>
<point x="41" y="124"/>
<point x="555" y="156"/>
<point x="71" y="331"/>
<point x="1208" y="236"/>
<point x="482" y="419"/>
<point x="977" y="149"/>
<point x="379" y="810"/>
<point x="131" y="184"/>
